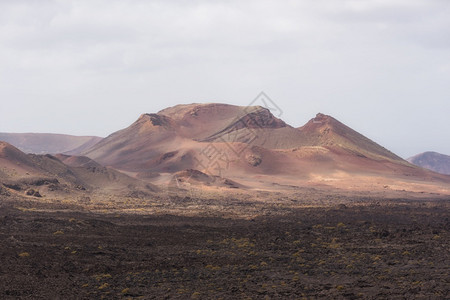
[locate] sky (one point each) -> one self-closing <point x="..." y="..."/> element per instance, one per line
<point x="92" y="67"/>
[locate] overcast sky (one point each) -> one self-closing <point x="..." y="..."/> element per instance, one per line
<point x="92" y="67"/>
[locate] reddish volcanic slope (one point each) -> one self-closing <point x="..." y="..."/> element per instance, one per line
<point x="66" y="173"/>
<point x="250" y="146"/>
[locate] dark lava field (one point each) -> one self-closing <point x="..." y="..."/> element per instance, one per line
<point x="395" y="250"/>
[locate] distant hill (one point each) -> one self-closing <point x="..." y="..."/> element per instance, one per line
<point x="434" y="161"/>
<point x="49" y="143"/>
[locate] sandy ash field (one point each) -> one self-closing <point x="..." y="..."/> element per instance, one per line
<point x="214" y="201"/>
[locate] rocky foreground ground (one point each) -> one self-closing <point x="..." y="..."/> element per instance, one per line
<point x="397" y="249"/>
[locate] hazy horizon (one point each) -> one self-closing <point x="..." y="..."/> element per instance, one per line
<point x="92" y="67"/>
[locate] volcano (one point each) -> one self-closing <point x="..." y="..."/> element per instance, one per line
<point x="251" y="146"/>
